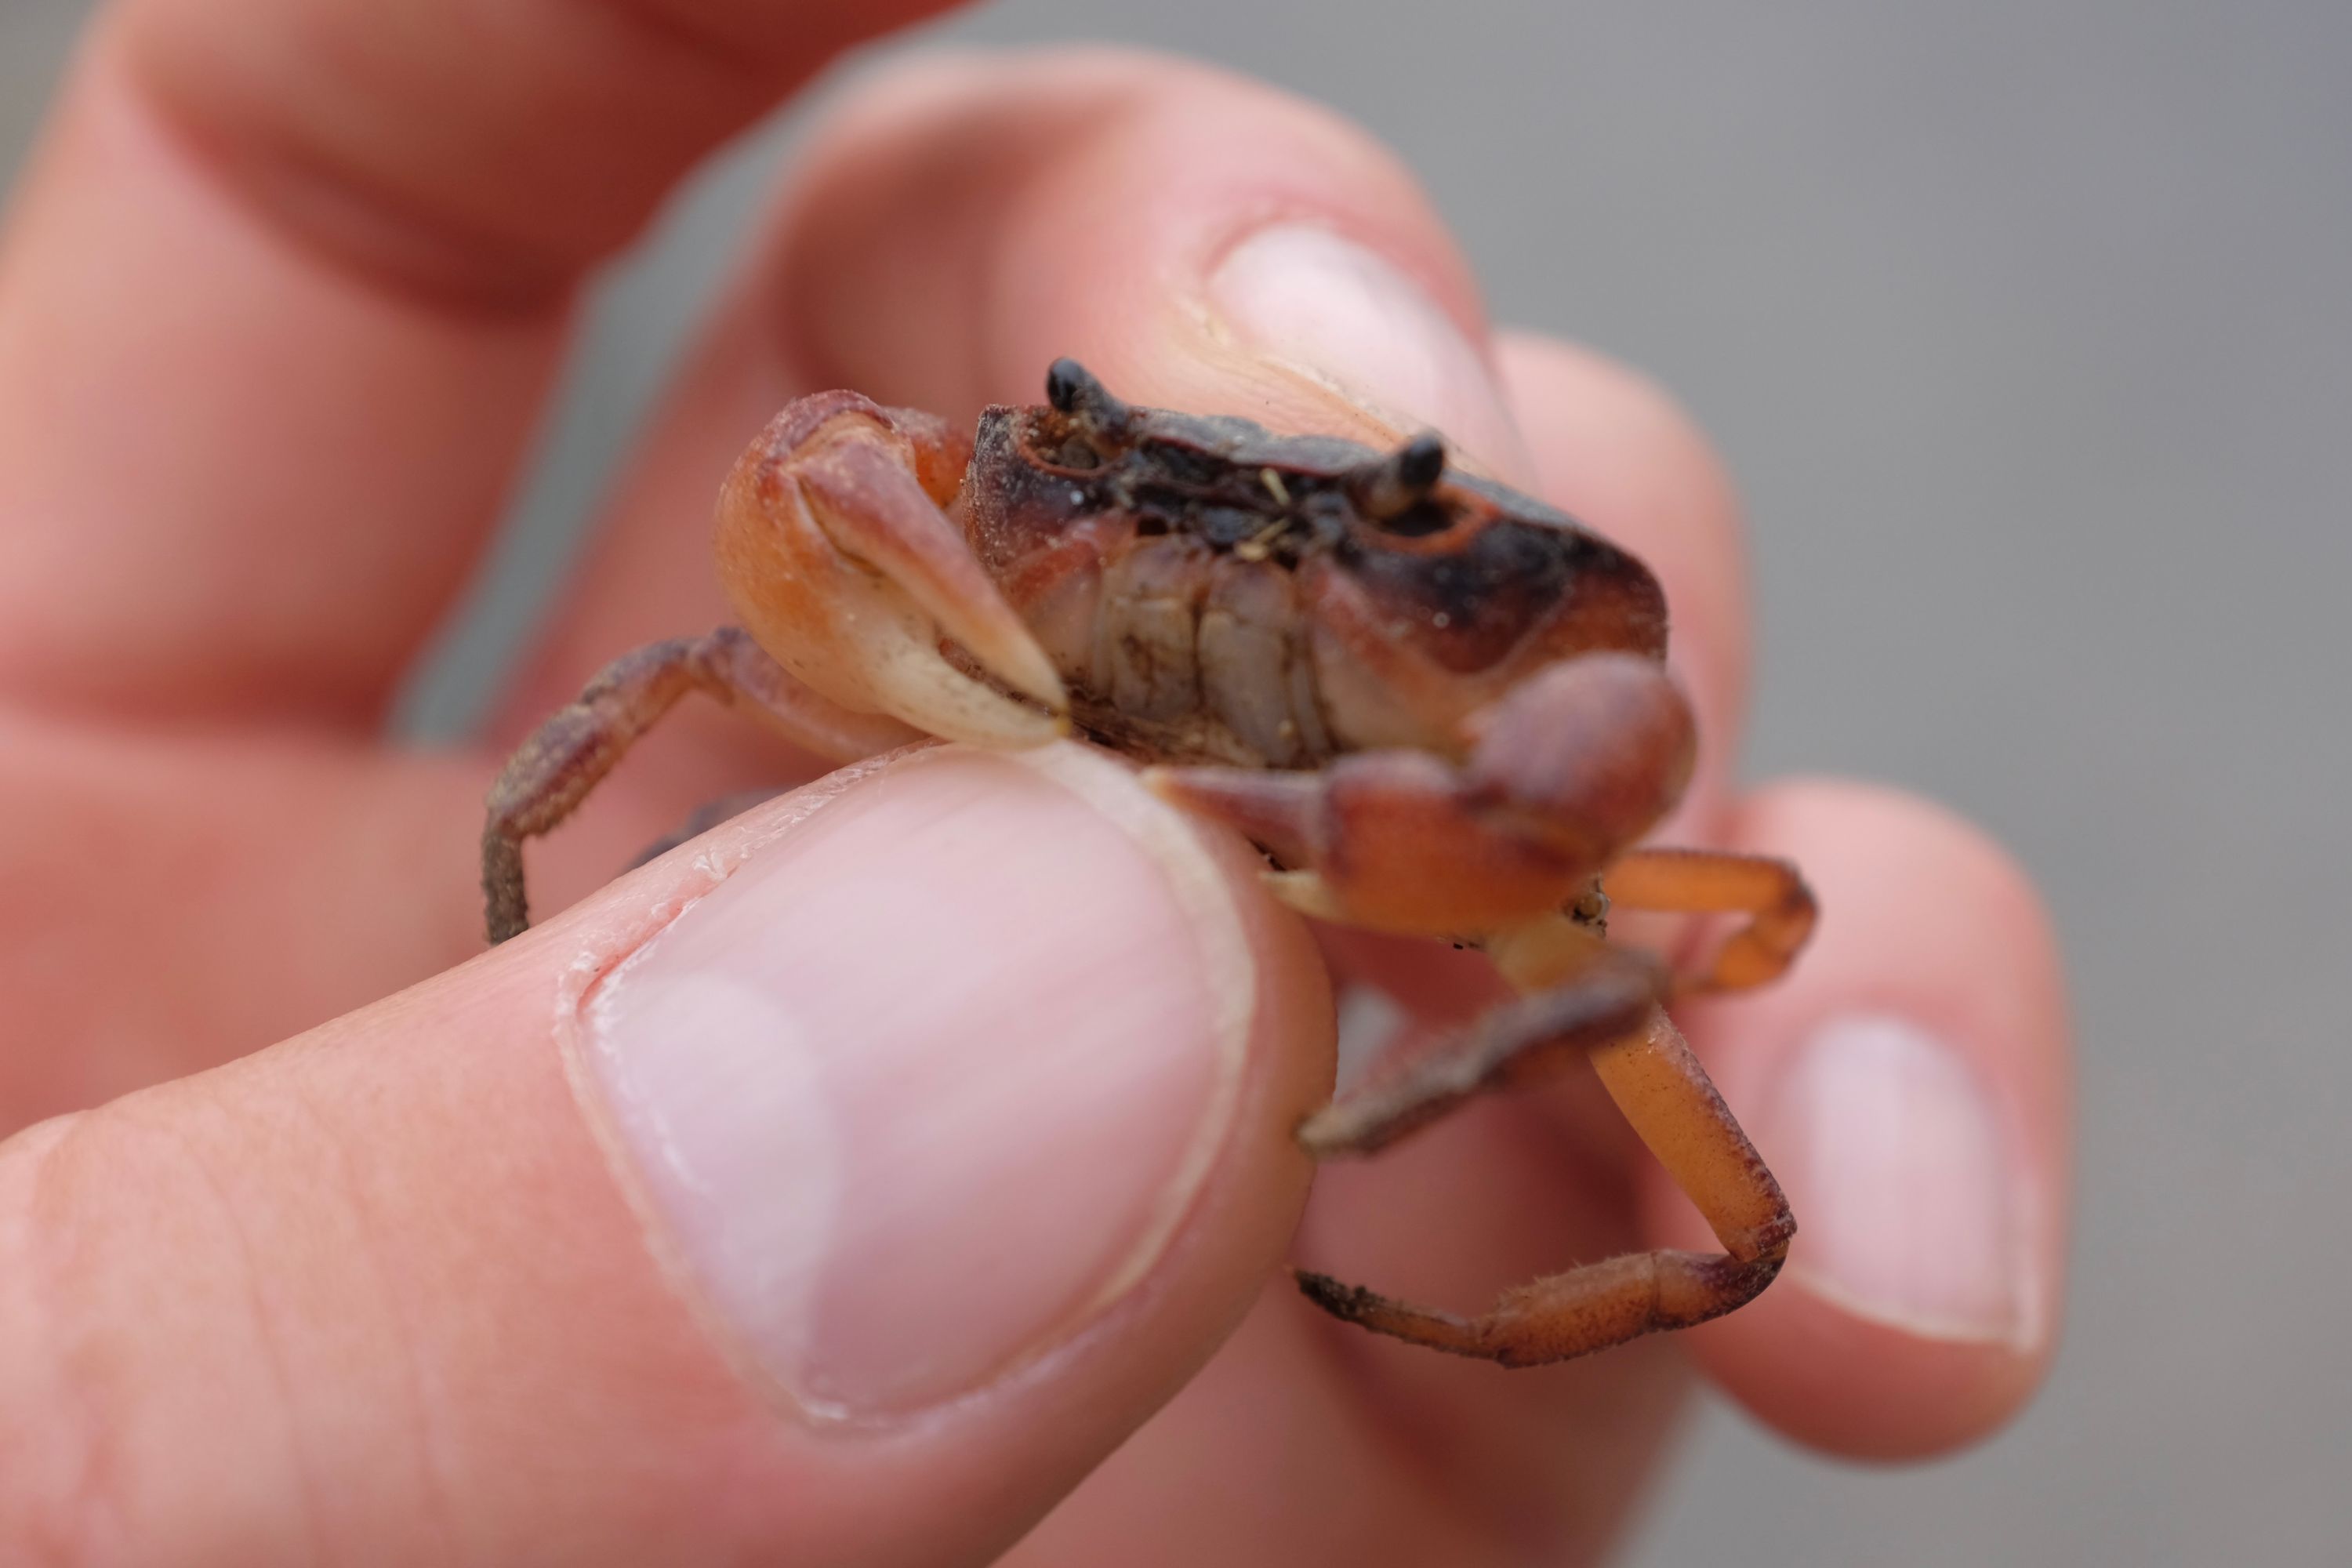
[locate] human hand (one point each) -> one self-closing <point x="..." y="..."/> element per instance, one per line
<point x="910" y="1170"/>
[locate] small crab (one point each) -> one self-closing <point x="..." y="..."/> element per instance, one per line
<point x="1439" y="708"/>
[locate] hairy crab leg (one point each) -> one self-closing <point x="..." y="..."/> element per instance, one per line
<point x="569" y="755"/>
<point x="1779" y="905"/>
<point x="1667" y="1099"/>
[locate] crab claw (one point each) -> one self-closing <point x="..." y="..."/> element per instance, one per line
<point x="1567" y="771"/>
<point x="844" y="567"/>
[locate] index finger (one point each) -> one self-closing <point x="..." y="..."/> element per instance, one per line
<point x="277" y="307"/>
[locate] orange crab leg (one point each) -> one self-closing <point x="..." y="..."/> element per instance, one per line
<point x="1673" y="1106"/>
<point x="1667" y="1097"/>
<point x="1563" y="1316"/>
<point x="1565" y="772"/>
<point x="1772" y="895"/>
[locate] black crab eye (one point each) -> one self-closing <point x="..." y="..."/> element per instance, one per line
<point x="1394" y="492"/>
<point x="1072" y="389"/>
<point x="1064" y="380"/>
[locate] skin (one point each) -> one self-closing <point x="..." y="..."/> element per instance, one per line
<point x="241" y="292"/>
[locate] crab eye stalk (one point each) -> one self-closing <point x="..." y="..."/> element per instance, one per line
<point x="1072" y="389"/>
<point x="1386" y="491"/>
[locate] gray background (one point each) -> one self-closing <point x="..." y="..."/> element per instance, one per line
<point x="2028" y="329"/>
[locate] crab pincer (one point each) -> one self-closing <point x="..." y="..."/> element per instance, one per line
<point x="1568" y="770"/>
<point x="838" y="558"/>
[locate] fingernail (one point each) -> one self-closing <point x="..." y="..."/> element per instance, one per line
<point x="924" y="1087"/>
<point x="1904" y="1184"/>
<point x="1349" y="317"/>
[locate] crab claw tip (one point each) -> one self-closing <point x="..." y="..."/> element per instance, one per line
<point x="1022" y="665"/>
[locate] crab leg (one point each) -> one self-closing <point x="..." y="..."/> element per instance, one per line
<point x="1667" y="1096"/>
<point x="1600" y="993"/>
<point x="1565" y="772"/>
<point x="1772" y="895"/>
<point x="566" y="756"/>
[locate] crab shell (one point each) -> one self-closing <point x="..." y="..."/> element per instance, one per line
<point x="1213" y="592"/>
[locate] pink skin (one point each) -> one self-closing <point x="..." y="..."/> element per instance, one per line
<point x="407" y="1306"/>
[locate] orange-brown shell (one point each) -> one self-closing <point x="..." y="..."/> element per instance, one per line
<point x="1214" y="592"/>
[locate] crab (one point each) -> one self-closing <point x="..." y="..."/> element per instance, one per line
<point x="1439" y="708"/>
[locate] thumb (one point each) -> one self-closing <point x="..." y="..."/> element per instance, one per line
<point x="841" y="1187"/>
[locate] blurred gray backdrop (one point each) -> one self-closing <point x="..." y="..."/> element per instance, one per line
<point x="2027" y="326"/>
